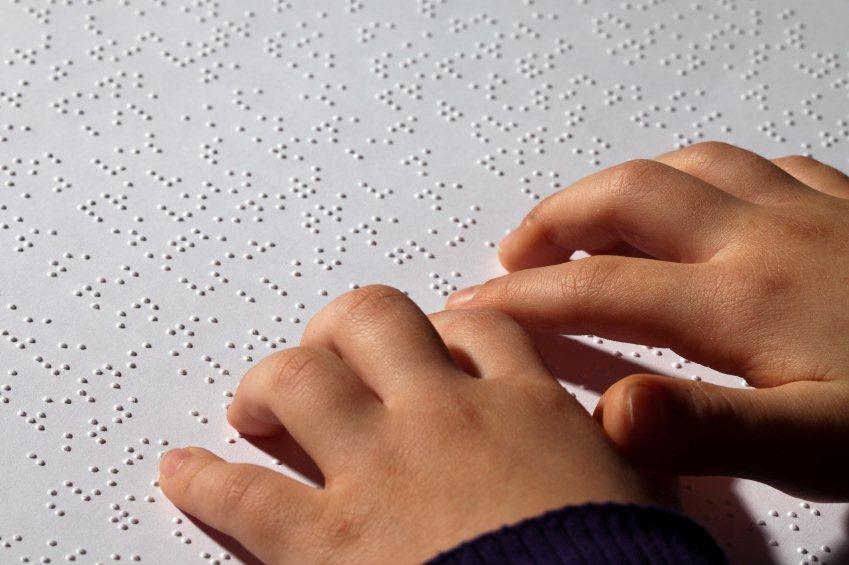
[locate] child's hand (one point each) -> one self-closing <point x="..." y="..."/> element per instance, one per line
<point x="750" y="276"/>
<point x="417" y="454"/>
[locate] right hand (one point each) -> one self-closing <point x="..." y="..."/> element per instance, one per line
<point x="733" y="261"/>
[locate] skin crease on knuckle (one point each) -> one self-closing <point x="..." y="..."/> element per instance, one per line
<point x="493" y="324"/>
<point x="709" y="155"/>
<point x="233" y="490"/>
<point x="292" y="368"/>
<point x="633" y="178"/>
<point x="365" y="305"/>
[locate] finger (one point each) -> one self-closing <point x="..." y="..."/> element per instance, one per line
<point x="647" y="205"/>
<point x="254" y="505"/>
<point x="489" y="344"/>
<point x="314" y="395"/>
<point x="384" y="337"/>
<point x="817" y="175"/>
<point x="736" y="171"/>
<point x="618" y="297"/>
<point x="789" y="436"/>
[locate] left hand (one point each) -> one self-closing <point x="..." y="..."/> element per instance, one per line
<point x="428" y="432"/>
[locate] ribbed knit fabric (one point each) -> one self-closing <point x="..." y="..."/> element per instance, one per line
<point x="590" y="534"/>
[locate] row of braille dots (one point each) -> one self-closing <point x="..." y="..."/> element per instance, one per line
<point x="530" y="66"/>
<point x="598" y="24"/>
<point x="81" y="552"/>
<point x="56" y="371"/>
<point x="201" y="419"/>
<point x="459" y="239"/>
<point x="420" y="163"/>
<point x="407" y="63"/>
<point x="103" y="370"/>
<point x="808" y="110"/>
<point x="269" y="342"/>
<point x="122" y="518"/>
<point x="149" y="145"/>
<point x="369" y="32"/>
<point x="29" y="56"/>
<point x="492" y="50"/>
<point x="678" y="364"/>
<point x="827" y="139"/>
<point x="35" y="166"/>
<point x="7" y="541"/>
<point x="447" y="67"/>
<point x="641" y="118"/>
<point x="794" y="36"/>
<point x="115" y="85"/>
<point x="614" y="95"/>
<point x="216" y="365"/>
<point x="379" y="194"/>
<point x="428" y="8"/>
<point x="399" y="255"/>
<point x="476" y="133"/>
<point x="488" y="162"/>
<point x="18" y="342"/>
<point x="366" y="229"/>
<point x="12" y="98"/>
<point x="807" y="555"/>
<point x="178" y="533"/>
<point x="456" y="25"/>
<point x="224" y="556"/>
<point x="311" y="221"/>
<point x="769" y="129"/>
<point x="34" y="421"/>
<point x="386" y="96"/>
<point x="23" y="242"/>
<point x="442" y="285"/>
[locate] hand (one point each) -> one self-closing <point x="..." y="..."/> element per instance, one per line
<point x="731" y="260"/>
<point x="417" y="454"/>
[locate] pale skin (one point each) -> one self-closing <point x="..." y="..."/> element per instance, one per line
<point x="428" y="431"/>
<point x="431" y="430"/>
<point x="731" y="260"/>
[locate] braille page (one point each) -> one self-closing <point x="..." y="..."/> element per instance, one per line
<point x="185" y="183"/>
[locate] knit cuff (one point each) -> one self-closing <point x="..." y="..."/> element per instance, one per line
<point x="593" y="533"/>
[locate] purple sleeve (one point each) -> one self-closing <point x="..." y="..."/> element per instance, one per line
<point x="590" y="534"/>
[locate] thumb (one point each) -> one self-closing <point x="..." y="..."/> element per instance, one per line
<point x="794" y="436"/>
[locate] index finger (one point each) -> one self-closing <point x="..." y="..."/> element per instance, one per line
<point x="622" y="298"/>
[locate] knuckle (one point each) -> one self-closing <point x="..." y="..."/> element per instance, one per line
<point x="232" y="494"/>
<point x="708" y="153"/>
<point x="587" y="277"/>
<point x="479" y="321"/>
<point x="504" y="291"/>
<point x="544" y="214"/>
<point x="707" y="156"/>
<point x="797" y="162"/>
<point x="293" y="367"/>
<point x="633" y="178"/>
<point x="369" y="302"/>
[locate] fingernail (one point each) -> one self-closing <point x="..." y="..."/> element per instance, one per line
<point x="648" y="415"/>
<point x="172" y="461"/>
<point x="461" y="297"/>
